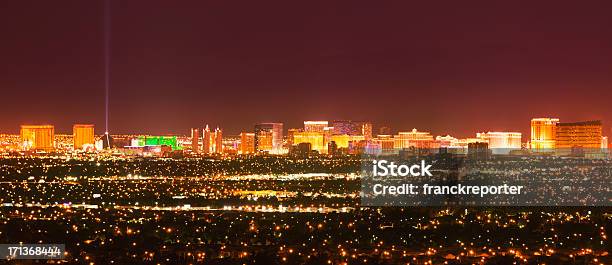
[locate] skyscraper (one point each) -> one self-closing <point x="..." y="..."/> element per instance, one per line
<point x="206" y="147"/>
<point x="543" y="134"/>
<point x="586" y="135"/>
<point x="345" y="127"/>
<point x="263" y="140"/>
<point x="290" y="134"/>
<point x="37" y="137"/>
<point x="273" y="131"/>
<point x="83" y="136"/>
<point x="352" y="128"/>
<point x="217" y="141"/>
<point x="247" y="143"/>
<point x="328" y="132"/>
<point x="366" y="130"/>
<point x="195" y="139"/>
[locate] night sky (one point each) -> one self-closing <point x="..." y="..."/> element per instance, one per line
<point x="446" y="67"/>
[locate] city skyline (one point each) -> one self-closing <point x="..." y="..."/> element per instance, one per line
<point x="524" y="130"/>
<point x="399" y="64"/>
<point x="328" y="137"/>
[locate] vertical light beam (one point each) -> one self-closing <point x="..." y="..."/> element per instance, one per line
<point x="107" y="24"/>
<point x="107" y="36"/>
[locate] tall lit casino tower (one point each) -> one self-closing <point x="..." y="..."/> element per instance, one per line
<point x="543" y="134"/>
<point x="269" y="132"/>
<point x="83" y="135"/>
<point x="247" y="143"/>
<point x="195" y="140"/>
<point x="206" y="147"/>
<point x="586" y="135"/>
<point x="37" y="137"/>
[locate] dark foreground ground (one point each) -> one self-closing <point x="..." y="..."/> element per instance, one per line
<point x="367" y="236"/>
<point x="121" y="212"/>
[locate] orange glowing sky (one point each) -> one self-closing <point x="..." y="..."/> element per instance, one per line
<point x="452" y="67"/>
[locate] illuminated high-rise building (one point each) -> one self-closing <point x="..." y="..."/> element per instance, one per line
<point x="37" y="137"/>
<point x="352" y="128"/>
<point x="366" y="130"/>
<point x="271" y="133"/>
<point x="328" y="132"/>
<point x="217" y="141"/>
<point x="247" y="143"/>
<point x="263" y="141"/>
<point x="206" y="140"/>
<point x="586" y="135"/>
<point x="315" y="126"/>
<point x="231" y="145"/>
<point x="315" y="139"/>
<point x="414" y="138"/>
<point x="344" y="127"/>
<point x="83" y="136"/>
<point x="195" y="140"/>
<point x="604" y="142"/>
<point x="543" y="134"/>
<point x="290" y="134"/>
<point x="501" y="142"/>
